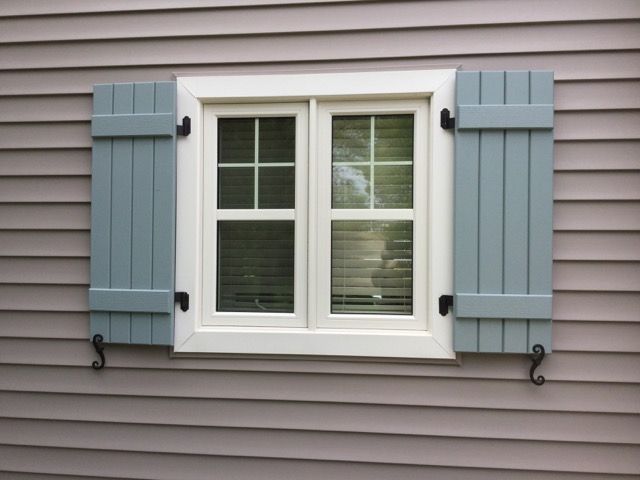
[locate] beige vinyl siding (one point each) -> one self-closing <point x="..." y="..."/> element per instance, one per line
<point x="150" y="414"/>
<point x="567" y="37"/>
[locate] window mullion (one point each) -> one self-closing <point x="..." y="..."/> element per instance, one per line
<point x="256" y="153"/>
<point x="314" y="178"/>
<point x="372" y="200"/>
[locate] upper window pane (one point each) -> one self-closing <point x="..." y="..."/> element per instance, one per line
<point x="393" y="138"/>
<point x="235" y="187"/>
<point x="277" y="140"/>
<point x="276" y="187"/>
<point x="236" y="140"/>
<point x="351" y="138"/>
<point x="256" y="175"/>
<point x="372" y="158"/>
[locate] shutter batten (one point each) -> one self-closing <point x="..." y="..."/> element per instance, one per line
<point x="503" y="306"/>
<point x="133" y="212"/>
<point x="503" y="211"/>
<point x="137" y="125"/>
<point x="114" y="300"/>
<point x="511" y="117"/>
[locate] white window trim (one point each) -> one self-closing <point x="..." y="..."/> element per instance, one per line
<point x="193" y="92"/>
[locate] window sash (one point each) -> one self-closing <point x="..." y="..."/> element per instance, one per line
<point x="325" y="214"/>
<point x="212" y="215"/>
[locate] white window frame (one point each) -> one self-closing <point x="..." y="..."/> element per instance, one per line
<point x="435" y="340"/>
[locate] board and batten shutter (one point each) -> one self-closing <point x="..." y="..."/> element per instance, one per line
<point x="503" y="211"/>
<point x="131" y="297"/>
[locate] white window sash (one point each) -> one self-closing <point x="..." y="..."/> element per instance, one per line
<point x="211" y="216"/>
<point x="418" y="215"/>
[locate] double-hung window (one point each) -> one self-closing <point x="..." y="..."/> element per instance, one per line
<point x="371" y="212"/>
<point x="254" y="225"/>
<point x="314" y="214"/>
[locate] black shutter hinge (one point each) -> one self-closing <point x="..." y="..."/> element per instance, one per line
<point x="185" y="128"/>
<point x="183" y="298"/>
<point x="444" y="302"/>
<point x="446" y="120"/>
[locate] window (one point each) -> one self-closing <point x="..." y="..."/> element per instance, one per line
<point x="314" y="214"/>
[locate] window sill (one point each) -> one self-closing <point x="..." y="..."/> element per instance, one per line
<point x="324" y="342"/>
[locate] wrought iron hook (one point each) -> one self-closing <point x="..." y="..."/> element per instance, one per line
<point x="97" y="344"/>
<point x="537" y="360"/>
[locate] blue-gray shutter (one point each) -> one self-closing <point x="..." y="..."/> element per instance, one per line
<point x="133" y="212"/>
<point x="503" y="211"/>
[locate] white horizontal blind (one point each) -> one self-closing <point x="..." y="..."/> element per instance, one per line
<point x="371" y="264"/>
<point x="255" y="266"/>
<point x="372" y="169"/>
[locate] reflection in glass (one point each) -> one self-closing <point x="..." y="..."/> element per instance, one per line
<point x="372" y="172"/>
<point x="393" y="186"/>
<point x="351" y="139"/>
<point x="372" y="267"/>
<point x="393" y="138"/>
<point x="351" y="184"/>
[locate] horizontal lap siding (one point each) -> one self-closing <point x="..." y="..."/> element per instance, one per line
<point x="140" y="465"/>
<point x="294" y="19"/>
<point x="452" y="392"/>
<point x="307" y="418"/>
<point x="609" y="367"/>
<point x="567" y="37"/>
<point x="353" y="417"/>
<point x="324" y="446"/>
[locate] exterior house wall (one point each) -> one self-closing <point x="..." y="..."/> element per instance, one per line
<point x="148" y="415"/>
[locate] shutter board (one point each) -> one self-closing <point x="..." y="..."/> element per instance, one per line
<point x="133" y="212"/>
<point x="503" y="208"/>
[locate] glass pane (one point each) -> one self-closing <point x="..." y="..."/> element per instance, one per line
<point x="235" y="187"/>
<point x="393" y="138"/>
<point x="276" y="187"/>
<point x="277" y="140"/>
<point x="351" y="138"/>
<point x="390" y="183"/>
<point x="371" y="267"/>
<point x="255" y="266"/>
<point x="236" y="140"/>
<point x="393" y="186"/>
<point x="351" y="186"/>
